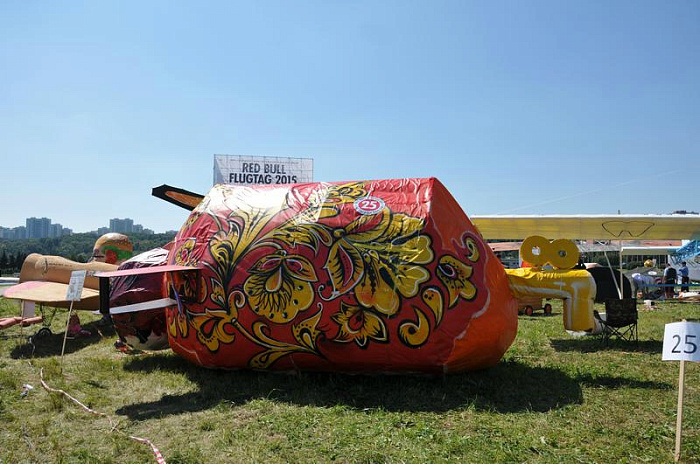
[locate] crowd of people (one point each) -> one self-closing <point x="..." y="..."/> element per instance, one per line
<point x="646" y="283"/>
<point x="671" y="278"/>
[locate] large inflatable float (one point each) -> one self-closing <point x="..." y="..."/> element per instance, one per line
<point x="383" y="275"/>
<point x="371" y="276"/>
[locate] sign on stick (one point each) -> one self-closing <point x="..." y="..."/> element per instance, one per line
<point x="75" y="285"/>
<point x="681" y="342"/>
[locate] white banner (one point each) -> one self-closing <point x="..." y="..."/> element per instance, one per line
<point x="255" y="170"/>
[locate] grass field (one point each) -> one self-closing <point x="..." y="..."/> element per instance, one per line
<point x="553" y="398"/>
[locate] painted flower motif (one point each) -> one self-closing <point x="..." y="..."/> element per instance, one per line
<point x="455" y="276"/>
<point x="346" y="193"/>
<point x="380" y="256"/>
<point x="222" y="247"/>
<point x="217" y="326"/>
<point x="183" y="255"/>
<point x="359" y="325"/>
<point x="178" y="325"/>
<point x="310" y="234"/>
<point x="323" y="201"/>
<point x="279" y="286"/>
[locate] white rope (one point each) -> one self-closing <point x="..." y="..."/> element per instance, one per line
<point x="113" y="425"/>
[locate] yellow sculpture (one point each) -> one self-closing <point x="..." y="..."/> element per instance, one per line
<point x="575" y="287"/>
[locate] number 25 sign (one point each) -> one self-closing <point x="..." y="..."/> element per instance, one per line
<point x="681" y="342"/>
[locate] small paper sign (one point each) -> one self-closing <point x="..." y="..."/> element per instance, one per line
<point x="681" y="342"/>
<point x="75" y="286"/>
<point x="28" y="309"/>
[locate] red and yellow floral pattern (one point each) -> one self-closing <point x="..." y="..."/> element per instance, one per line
<point x="297" y="277"/>
<point x="279" y="286"/>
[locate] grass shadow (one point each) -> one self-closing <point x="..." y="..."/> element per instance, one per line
<point x="590" y="344"/>
<point x="539" y="316"/>
<point x="50" y="345"/>
<point x="613" y="383"/>
<point x="509" y="387"/>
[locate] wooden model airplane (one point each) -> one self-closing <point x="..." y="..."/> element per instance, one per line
<point x="44" y="279"/>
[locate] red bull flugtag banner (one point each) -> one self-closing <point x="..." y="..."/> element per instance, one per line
<point x="265" y="170"/>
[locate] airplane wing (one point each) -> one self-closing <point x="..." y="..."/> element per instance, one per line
<point x="105" y="284"/>
<point x="591" y="227"/>
<point x="177" y="196"/>
<point x="52" y="294"/>
<point x="147" y="270"/>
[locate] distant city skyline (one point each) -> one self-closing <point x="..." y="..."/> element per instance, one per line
<point x="44" y="228"/>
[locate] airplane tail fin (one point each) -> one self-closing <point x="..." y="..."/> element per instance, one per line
<point x="177" y="196"/>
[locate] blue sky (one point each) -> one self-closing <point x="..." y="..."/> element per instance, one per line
<point x="517" y="107"/>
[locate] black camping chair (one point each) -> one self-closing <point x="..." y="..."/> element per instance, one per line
<point x="620" y="319"/>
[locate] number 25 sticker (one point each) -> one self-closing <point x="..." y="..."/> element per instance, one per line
<point x="369" y="205"/>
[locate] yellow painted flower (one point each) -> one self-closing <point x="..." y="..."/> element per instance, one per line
<point x="178" y="325"/>
<point x="279" y="286"/>
<point x="359" y="325"/>
<point x="223" y="248"/>
<point x="217" y="326"/>
<point x="455" y="276"/>
<point x="324" y="200"/>
<point x="346" y="193"/>
<point x="183" y="255"/>
<point x="381" y="257"/>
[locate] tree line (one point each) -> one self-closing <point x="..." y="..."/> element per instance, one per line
<point x="76" y="247"/>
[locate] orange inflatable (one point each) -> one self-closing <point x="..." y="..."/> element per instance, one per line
<point x="383" y="276"/>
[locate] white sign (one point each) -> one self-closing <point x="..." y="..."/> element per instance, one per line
<point x="681" y="342"/>
<point x="75" y="286"/>
<point x="268" y="170"/>
<point x="28" y="309"/>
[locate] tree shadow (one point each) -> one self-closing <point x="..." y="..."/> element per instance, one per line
<point x="39" y="345"/>
<point x="590" y="344"/>
<point x="508" y="387"/>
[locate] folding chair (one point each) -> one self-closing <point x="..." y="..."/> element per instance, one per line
<point x="620" y="320"/>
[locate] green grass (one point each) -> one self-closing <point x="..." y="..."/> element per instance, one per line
<point x="553" y="398"/>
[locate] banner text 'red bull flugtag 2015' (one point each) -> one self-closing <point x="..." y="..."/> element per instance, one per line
<point x="375" y="276"/>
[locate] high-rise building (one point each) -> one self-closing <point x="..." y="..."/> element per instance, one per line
<point x="55" y="230"/>
<point x="19" y="233"/>
<point x="123" y="226"/>
<point x="35" y="228"/>
<point x="38" y="227"/>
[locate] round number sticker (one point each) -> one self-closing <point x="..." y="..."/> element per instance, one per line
<point x="369" y="205"/>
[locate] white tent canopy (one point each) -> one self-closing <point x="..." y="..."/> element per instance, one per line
<point x="652" y="250"/>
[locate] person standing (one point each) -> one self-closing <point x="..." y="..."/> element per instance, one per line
<point x="685" y="278"/>
<point x="670" y="280"/>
